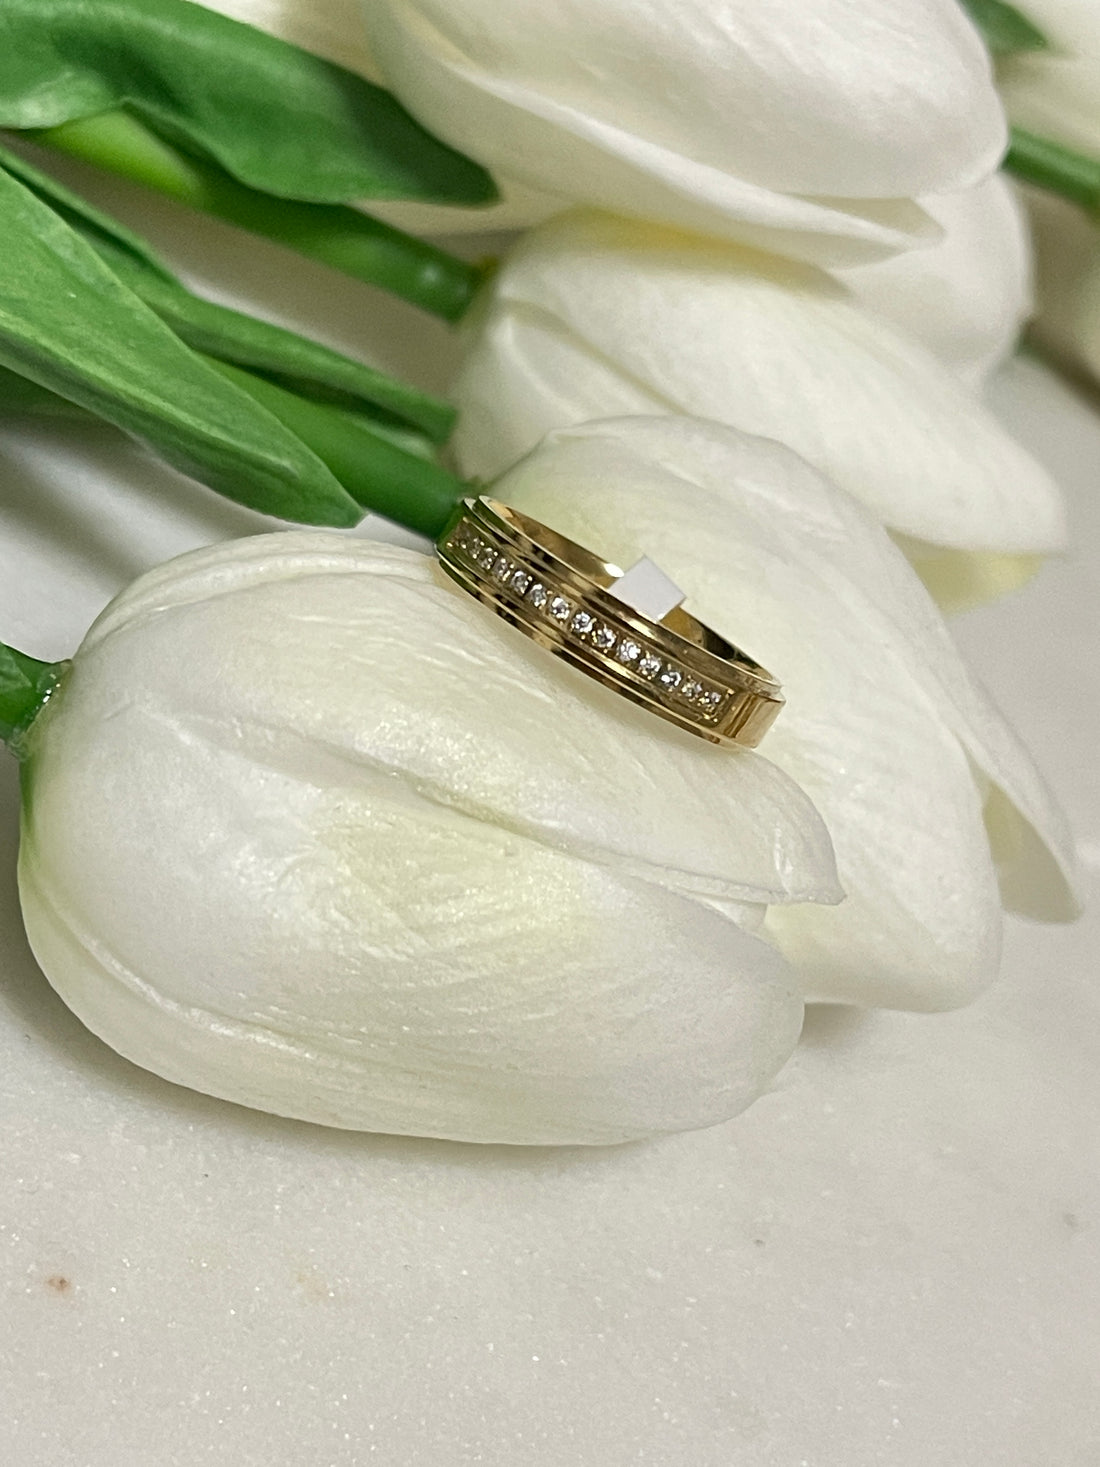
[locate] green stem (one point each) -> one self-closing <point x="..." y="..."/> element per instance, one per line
<point x="332" y="233"/>
<point x="25" y="686"/>
<point x="377" y="473"/>
<point x="1059" y="170"/>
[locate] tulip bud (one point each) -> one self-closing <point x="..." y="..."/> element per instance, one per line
<point x="591" y="315"/>
<point x="308" y="828"/>
<point x="808" y="126"/>
<point x="930" y="800"/>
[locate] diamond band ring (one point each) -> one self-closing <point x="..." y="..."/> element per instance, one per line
<point x="563" y="597"/>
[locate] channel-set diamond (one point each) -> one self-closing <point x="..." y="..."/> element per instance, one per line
<point x="673" y="682"/>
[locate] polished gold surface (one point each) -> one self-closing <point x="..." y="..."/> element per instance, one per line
<point x="560" y="595"/>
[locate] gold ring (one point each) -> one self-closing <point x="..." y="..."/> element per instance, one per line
<point x="562" y="596"/>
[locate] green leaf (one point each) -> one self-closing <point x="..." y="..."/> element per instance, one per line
<point x="301" y="364"/>
<point x="304" y="366"/>
<point x="96" y="227"/>
<point x="275" y="117"/>
<point x="70" y="325"/>
<point x="1007" y="31"/>
<point x="25" y="685"/>
<point x="19" y="396"/>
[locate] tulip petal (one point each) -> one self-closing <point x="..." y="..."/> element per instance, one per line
<point x="438" y="693"/>
<point x="882" y="716"/>
<point x="773" y="348"/>
<point x="966" y="298"/>
<point x="764" y="122"/>
<point x="351" y="954"/>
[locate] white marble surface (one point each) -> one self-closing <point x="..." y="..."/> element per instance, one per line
<point x="892" y="1259"/>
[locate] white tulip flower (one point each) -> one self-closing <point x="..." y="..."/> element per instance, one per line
<point x="592" y="315"/>
<point x="308" y="828"/>
<point x="931" y="802"/>
<point x="967" y="297"/>
<point x="809" y="126"/>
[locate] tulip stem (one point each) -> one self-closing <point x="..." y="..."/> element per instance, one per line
<point x="332" y="233"/>
<point x="376" y="471"/>
<point x="25" y="686"/>
<point x="1059" y="170"/>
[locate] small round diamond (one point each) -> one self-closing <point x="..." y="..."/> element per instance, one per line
<point x="521" y="581"/>
<point x="487" y="557"/>
<point x="583" y="623"/>
<point x="690" y="690"/>
<point x="604" y="638"/>
<point x="671" y="678"/>
<point x="503" y="569"/>
<point x="710" y="700"/>
<point x="628" y="651"/>
<point x="650" y="665"/>
<point x="538" y="595"/>
<point x="560" y="608"/>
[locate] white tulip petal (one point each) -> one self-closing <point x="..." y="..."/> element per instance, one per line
<point x="967" y="297"/>
<point x="770" y="347"/>
<point x="354" y="956"/>
<point x="763" y="122"/>
<point x="462" y="707"/>
<point x="960" y="580"/>
<point x="881" y="714"/>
